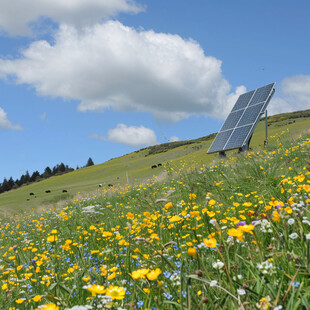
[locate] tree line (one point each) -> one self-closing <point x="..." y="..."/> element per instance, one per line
<point x="26" y="178"/>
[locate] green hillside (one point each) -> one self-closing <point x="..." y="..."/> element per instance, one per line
<point x="135" y="168"/>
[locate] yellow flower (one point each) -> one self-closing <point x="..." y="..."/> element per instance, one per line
<point x="247" y="204"/>
<point x="288" y="210"/>
<point x="130" y="215"/>
<point x="66" y="247"/>
<point x="276" y="216"/>
<point x="96" y="289"/>
<point x="235" y="233"/>
<point x="54" y="232"/>
<point x="112" y="276"/>
<point x="153" y="274"/>
<point x="86" y="279"/>
<point x="139" y="274"/>
<point x="192" y="252"/>
<point x="19" y="301"/>
<point x="300" y="178"/>
<point x="212" y="202"/>
<point x="36" y="298"/>
<point x="4" y="286"/>
<point x="52" y="238"/>
<point x="247" y="228"/>
<point x="147" y="290"/>
<point x="211" y="243"/>
<point x="211" y="213"/>
<point x="115" y="292"/>
<point x="192" y="196"/>
<point x="194" y="213"/>
<point x="175" y="218"/>
<point x="49" y="307"/>
<point x="28" y="275"/>
<point x="104" y="271"/>
<point x="264" y="303"/>
<point x="168" y="205"/>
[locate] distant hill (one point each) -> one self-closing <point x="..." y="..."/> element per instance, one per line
<point x="136" y="167"/>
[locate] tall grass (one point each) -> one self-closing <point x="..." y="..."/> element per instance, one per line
<point x="234" y="235"/>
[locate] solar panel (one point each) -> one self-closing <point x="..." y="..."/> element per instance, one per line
<point x="242" y="120"/>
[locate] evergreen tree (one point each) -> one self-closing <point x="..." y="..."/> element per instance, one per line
<point x="62" y="168"/>
<point x="5" y="185"/>
<point x="89" y="162"/>
<point x="34" y="176"/>
<point x="10" y="183"/>
<point x="55" y="169"/>
<point x="22" y="180"/>
<point x="27" y="177"/>
<point x="47" y="172"/>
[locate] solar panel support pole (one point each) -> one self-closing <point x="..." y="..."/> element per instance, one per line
<point x="222" y="154"/>
<point x="266" y="121"/>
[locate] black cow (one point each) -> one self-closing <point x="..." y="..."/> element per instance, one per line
<point x="64" y="191"/>
<point x="159" y="165"/>
<point x="110" y="185"/>
<point x="154" y="166"/>
<point x="100" y="185"/>
<point x="31" y="194"/>
<point x="47" y="191"/>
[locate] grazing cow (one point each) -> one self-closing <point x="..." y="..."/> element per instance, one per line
<point x="64" y="191"/>
<point x="159" y="165"/>
<point x="31" y="194"/>
<point x="47" y="191"/>
<point x="154" y="166"/>
<point x="100" y="185"/>
<point x="28" y="199"/>
<point x="110" y="185"/>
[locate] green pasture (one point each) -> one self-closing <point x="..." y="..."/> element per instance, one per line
<point x="133" y="168"/>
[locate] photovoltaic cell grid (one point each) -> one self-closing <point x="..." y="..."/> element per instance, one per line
<point x="242" y="120"/>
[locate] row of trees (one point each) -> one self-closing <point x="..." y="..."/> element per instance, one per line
<point x="26" y="178"/>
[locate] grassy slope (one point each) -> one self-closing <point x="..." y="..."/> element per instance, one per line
<point x="137" y="166"/>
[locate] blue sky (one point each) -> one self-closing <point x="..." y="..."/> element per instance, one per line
<point x="103" y="78"/>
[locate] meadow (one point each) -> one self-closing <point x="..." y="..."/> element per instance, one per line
<point x="134" y="168"/>
<point x="232" y="234"/>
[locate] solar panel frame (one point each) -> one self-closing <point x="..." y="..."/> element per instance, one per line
<point x="260" y="98"/>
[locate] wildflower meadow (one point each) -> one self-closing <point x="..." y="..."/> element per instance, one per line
<point x="234" y="234"/>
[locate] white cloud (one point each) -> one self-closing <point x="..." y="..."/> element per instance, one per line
<point x="5" y="123"/>
<point x="17" y="15"/>
<point x="174" y="139"/>
<point x="293" y="95"/>
<point x="113" y="66"/>
<point x="132" y="136"/>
